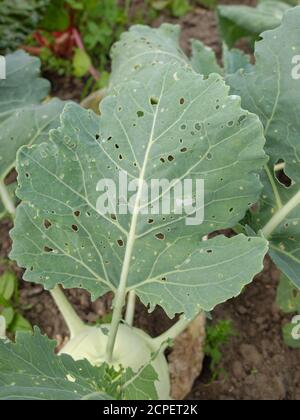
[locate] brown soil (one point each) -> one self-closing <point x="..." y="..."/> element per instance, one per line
<point x="257" y="363"/>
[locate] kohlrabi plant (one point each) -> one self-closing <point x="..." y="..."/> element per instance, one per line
<point x="160" y="120"/>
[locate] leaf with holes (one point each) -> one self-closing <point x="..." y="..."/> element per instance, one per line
<point x="175" y="127"/>
<point x="272" y="90"/>
<point x="30" y="370"/>
<point x="142" y="47"/>
<point x="23" y="120"/>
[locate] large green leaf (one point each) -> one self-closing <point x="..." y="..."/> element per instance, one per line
<point x="174" y="126"/>
<point x="30" y="370"/>
<point x="22" y="119"/>
<point x="272" y="90"/>
<point x="237" y="22"/>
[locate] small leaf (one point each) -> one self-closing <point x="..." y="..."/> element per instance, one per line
<point x="8" y="314"/>
<point x="235" y="60"/>
<point x="180" y="7"/>
<point x="8" y="283"/>
<point x="19" y="323"/>
<point x="81" y="62"/>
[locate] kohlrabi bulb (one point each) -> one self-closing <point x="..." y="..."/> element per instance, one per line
<point x="133" y="348"/>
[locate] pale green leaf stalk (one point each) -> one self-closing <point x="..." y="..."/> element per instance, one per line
<point x="2" y="327"/>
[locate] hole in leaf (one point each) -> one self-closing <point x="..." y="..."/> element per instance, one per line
<point x="48" y="249"/>
<point x="160" y="236"/>
<point x="282" y="177"/>
<point x="150" y="221"/>
<point x="140" y="114"/>
<point x="184" y="149"/>
<point x="241" y="119"/>
<point x="120" y="242"/>
<point x="170" y="158"/>
<point x="181" y="101"/>
<point x="75" y="228"/>
<point x="47" y="223"/>
<point x="153" y="100"/>
<point x="77" y="213"/>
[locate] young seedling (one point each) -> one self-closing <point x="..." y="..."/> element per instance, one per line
<point x="217" y="336"/>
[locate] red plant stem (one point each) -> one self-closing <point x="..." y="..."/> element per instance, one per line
<point x="31" y="50"/>
<point x="80" y="45"/>
<point x="40" y="39"/>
